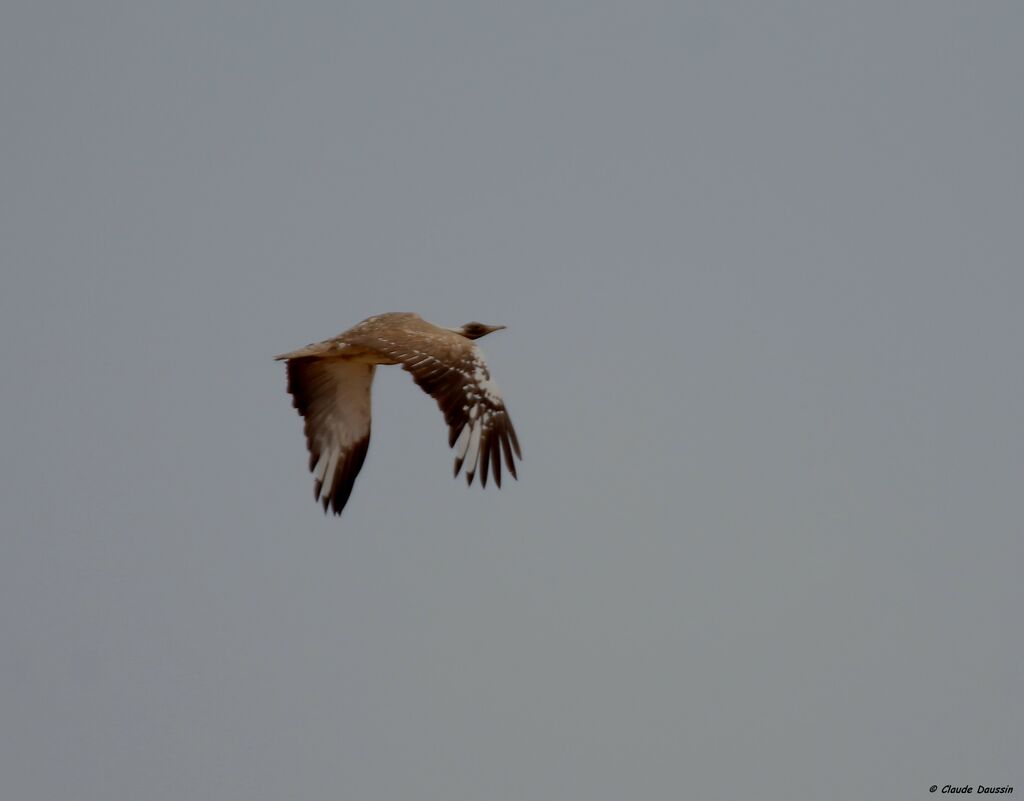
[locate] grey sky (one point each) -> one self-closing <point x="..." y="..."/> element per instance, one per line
<point x="762" y="270"/>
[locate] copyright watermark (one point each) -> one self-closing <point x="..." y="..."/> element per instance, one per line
<point x="969" y="789"/>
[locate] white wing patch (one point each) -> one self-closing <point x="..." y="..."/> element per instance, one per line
<point x="480" y="397"/>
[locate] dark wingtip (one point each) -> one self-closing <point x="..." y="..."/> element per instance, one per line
<point x="485" y="461"/>
<point x="515" y="441"/>
<point x="496" y="463"/>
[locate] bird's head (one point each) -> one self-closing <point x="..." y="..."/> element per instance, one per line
<point x="476" y="330"/>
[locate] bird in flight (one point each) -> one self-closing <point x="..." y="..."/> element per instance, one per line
<point x="330" y="386"/>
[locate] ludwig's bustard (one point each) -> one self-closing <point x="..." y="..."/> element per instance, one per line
<point x="330" y="386"/>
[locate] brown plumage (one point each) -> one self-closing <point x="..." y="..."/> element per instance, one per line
<point x="330" y="386"/>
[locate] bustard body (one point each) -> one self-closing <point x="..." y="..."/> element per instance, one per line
<point x="330" y="386"/>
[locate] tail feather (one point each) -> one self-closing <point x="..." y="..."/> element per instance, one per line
<point x="312" y="349"/>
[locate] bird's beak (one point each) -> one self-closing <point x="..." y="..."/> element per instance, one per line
<point x="492" y="328"/>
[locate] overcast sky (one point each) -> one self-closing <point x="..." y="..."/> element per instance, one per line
<point x="762" y="268"/>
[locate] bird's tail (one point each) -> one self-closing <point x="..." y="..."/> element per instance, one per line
<point x="317" y="349"/>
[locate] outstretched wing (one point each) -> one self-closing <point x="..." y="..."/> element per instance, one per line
<point x="333" y="395"/>
<point x="452" y="370"/>
<point x="479" y="427"/>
